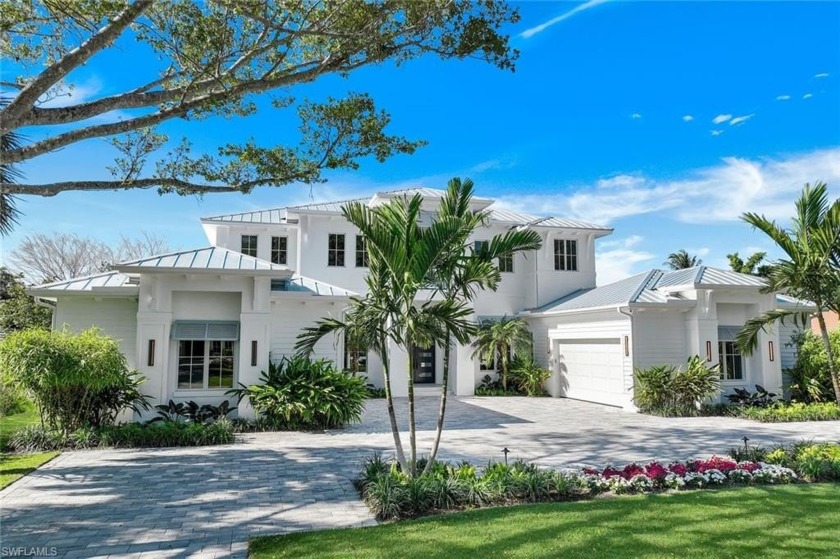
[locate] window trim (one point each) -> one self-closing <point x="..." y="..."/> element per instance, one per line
<point x="337" y="251"/>
<point x="360" y="240"/>
<point x="205" y="371"/>
<point x="284" y="250"/>
<point x="565" y="255"/>
<point x="255" y="247"/>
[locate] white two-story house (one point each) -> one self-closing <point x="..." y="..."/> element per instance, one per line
<point x="197" y="323"/>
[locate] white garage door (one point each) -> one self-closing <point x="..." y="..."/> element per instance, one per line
<point x="592" y="370"/>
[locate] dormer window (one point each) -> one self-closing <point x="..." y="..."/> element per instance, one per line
<point x="249" y="245"/>
<point x="565" y="255"/>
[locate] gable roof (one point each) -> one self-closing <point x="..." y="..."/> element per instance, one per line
<point x="109" y="281"/>
<point x="654" y="287"/>
<point x="209" y="259"/>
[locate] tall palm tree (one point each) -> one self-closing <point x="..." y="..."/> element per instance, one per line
<point x="464" y="271"/>
<point x="681" y="260"/>
<point x="500" y="340"/>
<point x="809" y="271"/>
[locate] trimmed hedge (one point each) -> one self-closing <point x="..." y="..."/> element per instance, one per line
<point x="796" y="411"/>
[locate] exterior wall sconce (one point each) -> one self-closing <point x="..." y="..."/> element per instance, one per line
<point x="772" y="350"/>
<point x="708" y="351"/>
<point x="150" y="357"/>
<point x="254" y="353"/>
<point x="626" y="346"/>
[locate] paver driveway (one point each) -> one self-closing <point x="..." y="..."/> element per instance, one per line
<point x="206" y="502"/>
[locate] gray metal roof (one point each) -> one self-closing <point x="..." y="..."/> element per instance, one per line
<point x="274" y="216"/>
<point x="706" y="276"/>
<point x="649" y="288"/>
<point x="204" y="259"/>
<point x="303" y="284"/>
<point x="86" y="283"/>
<point x="280" y="215"/>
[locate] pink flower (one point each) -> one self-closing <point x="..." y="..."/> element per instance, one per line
<point x="655" y="470"/>
<point x="679" y="469"/>
<point x="749" y="466"/>
<point x="632" y="470"/>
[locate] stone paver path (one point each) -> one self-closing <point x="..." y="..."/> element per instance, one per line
<point x="206" y="502"/>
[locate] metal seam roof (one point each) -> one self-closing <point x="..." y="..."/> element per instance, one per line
<point x="208" y="258"/>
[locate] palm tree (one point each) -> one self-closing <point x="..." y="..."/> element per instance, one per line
<point x="464" y="270"/>
<point x="500" y="340"/>
<point x="9" y="213"/>
<point x="681" y="260"/>
<point x="810" y="270"/>
<point x="751" y="265"/>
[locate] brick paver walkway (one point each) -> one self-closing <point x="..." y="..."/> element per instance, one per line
<point x="206" y="502"/>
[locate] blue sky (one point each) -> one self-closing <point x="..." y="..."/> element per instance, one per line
<point x="665" y="120"/>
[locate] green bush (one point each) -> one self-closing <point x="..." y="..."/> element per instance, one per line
<point x="797" y="411"/>
<point x="75" y="380"/>
<point x="298" y="393"/>
<point x="12" y="401"/>
<point x="811" y="461"/>
<point x="528" y="376"/>
<point x="809" y="380"/>
<point x="130" y="435"/>
<point x="672" y="391"/>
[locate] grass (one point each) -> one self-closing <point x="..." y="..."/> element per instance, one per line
<point x="775" y="521"/>
<point x="15" y="466"/>
<point x="11" y="423"/>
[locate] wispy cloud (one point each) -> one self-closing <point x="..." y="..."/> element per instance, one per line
<point x="530" y="32"/>
<point x="715" y="132"/>
<point x="721" y="118"/>
<point x="712" y="194"/>
<point x="740" y="119"/>
<point x="634" y="116"/>
<point x="619" y="263"/>
<point x="687" y="118"/>
<point x="782" y="97"/>
<point x="493" y="164"/>
<point x="67" y="94"/>
<point x="807" y="95"/>
<point x="821" y="75"/>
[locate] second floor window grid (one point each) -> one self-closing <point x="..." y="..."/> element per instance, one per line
<point x="335" y="250"/>
<point x="565" y="255"/>
<point x="361" y="252"/>
<point x="249" y="245"/>
<point x="279" y="250"/>
<point x="506" y="263"/>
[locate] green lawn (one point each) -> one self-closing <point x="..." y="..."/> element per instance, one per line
<point x="11" y="423"/>
<point x="15" y="466"/>
<point x="784" y="521"/>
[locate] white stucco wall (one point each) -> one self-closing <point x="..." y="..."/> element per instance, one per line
<point x="116" y="317"/>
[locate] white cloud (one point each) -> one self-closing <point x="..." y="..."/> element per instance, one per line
<point x="530" y="32"/>
<point x="626" y="242"/>
<point x="821" y="75"/>
<point x="66" y="94"/>
<point x="493" y="164"/>
<point x="617" y="264"/>
<point x="783" y="98"/>
<point x="713" y="194"/>
<point x="740" y="119"/>
<point x="716" y="132"/>
<point x="619" y="181"/>
<point x="635" y="116"/>
<point x="807" y="95"/>
<point x="721" y="118"/>
<point x="687" y="118"/>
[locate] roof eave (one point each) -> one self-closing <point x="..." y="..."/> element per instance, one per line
<point x="205" y="271"/>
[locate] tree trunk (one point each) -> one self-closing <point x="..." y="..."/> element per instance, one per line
<point x="412" y="430"/>
<point x="395" y="429"/>
<point x="503" y="363"/>
<point x="832" y="371"/>
<point x="442" y="411"/>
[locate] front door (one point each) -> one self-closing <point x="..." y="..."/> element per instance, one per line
<point x="424" y="364"/>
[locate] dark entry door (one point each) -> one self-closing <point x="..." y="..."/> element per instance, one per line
<point x="424" y="364"/>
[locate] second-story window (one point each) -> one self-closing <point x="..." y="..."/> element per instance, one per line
<point x="506" y="263"/>
<point x="478" y="246"/>
<point x="249" y="245"/>
<point x="565" y="255"/>
<point x="279" y="249"/>
<point x="361" y="252"/>
<point x="335" y="250"/>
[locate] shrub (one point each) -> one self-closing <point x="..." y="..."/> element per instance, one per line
<point x="782" y="412"/>
<point x="130" y="435"/>
<point x="75" y="380"/>
<point x="298" y="393"/>
<point x="809" y="380"/>
<point x="12" y="401"/>
<point x="528" y="376"/>
<point x="671" y="391"/>
<point x="760" y="398"/>
<point x="191" y="412"/>
<point x="812" y="461"/>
